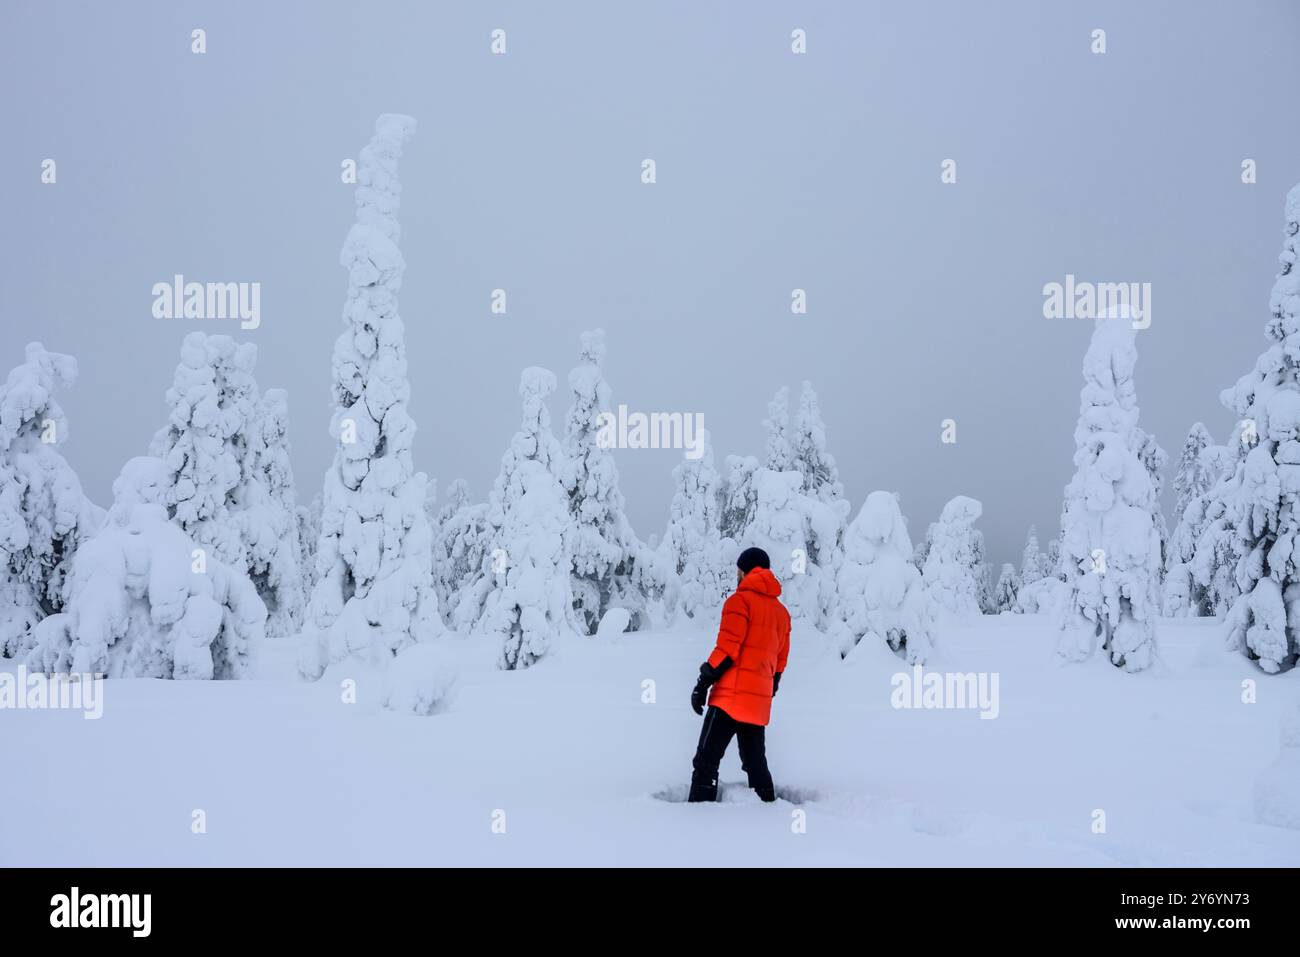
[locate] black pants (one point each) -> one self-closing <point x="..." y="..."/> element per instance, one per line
<point x="719" y="728"/>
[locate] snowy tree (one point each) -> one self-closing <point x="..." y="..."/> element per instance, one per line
<point x="954" y="567"/>
<point x="534" y="442"/>
<point x="778" y="528"/>
<point x="1006" y="594"/>
<point x="460" y="541"/>
<point x="778" y="447"/>
<point x="1192" y="479"/>
<point x="1154" y="459"/>
<point x="266" y="512"/>
<point x="44" y="517"/>
<point x="530" y="608"/>
<point x="694" y="543"/>
<point x="739" y="497"/>
<point x="205" y="444"/>
<point x="881" y="597"/>
<point x="603" y="544"/>
<point x="1252" y="523"/>
<point x="1033" y="563"/>
<point x="374" y="594"/>
<point x="229" y="484"/>
<point x="821" y="478"/>
<point x="144" y="601"/>
<point x="308" y="519"/>
<point x="1200" y="468"/>
<point x="1110" y="540"/>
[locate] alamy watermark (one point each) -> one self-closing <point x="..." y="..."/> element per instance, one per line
<point x="654" y="430"/>
<point x="946" y="690"/>
<point x="1098" y="300"/>
<point x="23" y="691"/>
<point x="179" y="299"/>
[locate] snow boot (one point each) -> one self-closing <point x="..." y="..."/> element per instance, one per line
<point x="703" y="790"/>
<point x="767" y="794"/>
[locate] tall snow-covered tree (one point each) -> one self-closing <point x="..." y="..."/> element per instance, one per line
<point x="954" y="571"/>
<point x="1033" y="563"/>
<point x="534" y="442"/>
<point x="1110" y="540"/>
<point x="1007" y="591"/>
<point x="1154" y="458"/>
<point x="205" y="445"/>
<point x="460" y="540"/>
<point x="603" y="545"/>
<point x="266" y="510"/>
<point x="1200" y="468"/>
<point x="1192" y="478"/>
<point x="374" y="593"/>
<point x="821" y="478"/>
<point x="778" y="446"/>
<point x="693" y="540"/>
<point x="1253" y="523"/>
<point x="44" y="517"/>
<point x="739" y="497"/>
<point x="229" y="484"/>
<point x="881" y="597"/>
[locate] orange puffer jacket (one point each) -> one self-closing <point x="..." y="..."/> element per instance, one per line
<point x="755" y="635"/>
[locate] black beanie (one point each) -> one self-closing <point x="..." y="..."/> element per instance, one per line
<point x="752" y="558"/>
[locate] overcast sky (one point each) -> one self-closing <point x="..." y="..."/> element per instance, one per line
<point x="775" y="171"/>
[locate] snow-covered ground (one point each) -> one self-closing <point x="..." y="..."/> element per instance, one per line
<point x="581" y="769"/>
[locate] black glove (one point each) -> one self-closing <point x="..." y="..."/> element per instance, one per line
<point x="708" y="675"/>
<point x="776" y="683"/>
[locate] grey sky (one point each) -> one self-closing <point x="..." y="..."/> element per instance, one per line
<point x="775" y="171"/>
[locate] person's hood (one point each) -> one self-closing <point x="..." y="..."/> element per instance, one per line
<point x="762" y="581"/>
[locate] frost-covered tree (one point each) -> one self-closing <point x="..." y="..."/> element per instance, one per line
<point x="1192" y="479"/>
<point x="739" y="497"/>
<point x="534" y="442"/>
<point x="229" y="485"/>
<point x="308" y="519"/>
<point x="1201" y="466"/>
<point x="145" y="601"/>
<point x="1110" y="540"/>
<point x="44" y="517"/>
<point x="1033" y="563"/>
<point x="693" y="541"/>
<point x="821" y="478"/>
<point x="205" y="446"/>
<point x="1252" y="523"/>
<point x="374" y="593"/>
<point x="881" y="597"/>
<point x="1154" y="458"/>
<point x="778" y="446"/>
<point x="778" y="528"/>
<point x="460" y="540"/>
<point x="530" y="607"/>
<point x="954" y="567"/>
<point x="1006" y="594"/>
<point x="603" y="544"/>
<point x="266" y="511"/>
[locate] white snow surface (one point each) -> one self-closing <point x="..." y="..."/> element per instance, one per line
<point x="599" y="776"/>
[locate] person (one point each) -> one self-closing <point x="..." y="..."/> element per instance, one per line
<point x="741" y="677"/>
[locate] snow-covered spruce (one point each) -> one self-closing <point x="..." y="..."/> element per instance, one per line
<point x="738" y="497"/>
<point x="1110" y="542"/>
<point x="44" y="517"/>
<point x="228" y="481"/>
<point x="1252" y="521"/>
<point x="954" y="572"/>
<point x="604" y="546"/>
<point x="374" y="594"/>
<point x="881" y="597"/>
<point x="145" y="601"/>
<point x="460" y="540"/>
<point x="1006" y="594"/>
<point x="821" y="478"/>
<point x="1201" y="466"/>
<point x="693" y="542"/>
<point x="529" y="609"/>
<point x="778" y="447"/>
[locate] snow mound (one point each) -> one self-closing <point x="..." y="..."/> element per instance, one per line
<point x="419" y="680"/>
<point x="614" y="623"/>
